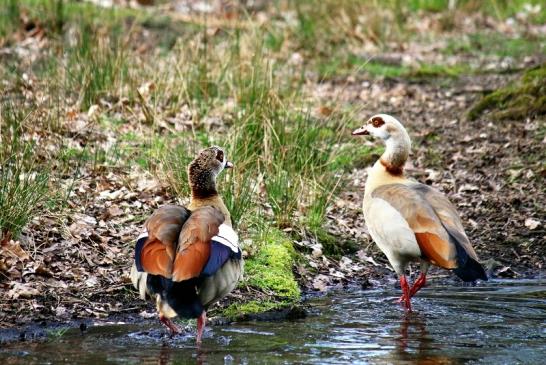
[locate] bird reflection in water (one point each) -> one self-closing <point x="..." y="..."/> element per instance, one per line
<point x="414" y="344"/>
<point x="165" y="355"/>
<point x="169" y="355"/>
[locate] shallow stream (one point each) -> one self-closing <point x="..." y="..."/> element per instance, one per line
<point x="499" y="322"/>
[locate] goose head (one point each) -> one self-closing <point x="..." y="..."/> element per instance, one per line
<point x="382" y="126"/>
<point x="395" y="137"/>
<point x="212" y="159"/>
<point x="204" y="169"/>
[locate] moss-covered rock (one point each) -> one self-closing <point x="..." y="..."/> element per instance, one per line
<point x="269" y="272"/>
<point x="271" y="268"/>
<point x="236" y="310"/>
<point x="525" y="98"/>
<point x="334" y="246"/>
<point x="265" y="311"/>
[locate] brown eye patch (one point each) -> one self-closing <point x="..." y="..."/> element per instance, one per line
<point x="220" y="156"/>
<point x="377" y="122"/>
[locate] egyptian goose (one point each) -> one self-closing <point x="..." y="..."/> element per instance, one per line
<point x="189" y="258"/>
<point x="410" y="221"/>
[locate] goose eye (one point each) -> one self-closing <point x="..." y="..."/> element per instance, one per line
<point x="377" y="122"/>
<point x="220" y="156"/>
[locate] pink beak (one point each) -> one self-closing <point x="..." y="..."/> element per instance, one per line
<point x="362" y="131"/>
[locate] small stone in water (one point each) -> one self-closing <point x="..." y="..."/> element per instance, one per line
<point x="228" y="359"/>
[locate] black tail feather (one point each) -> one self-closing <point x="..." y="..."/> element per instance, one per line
<point x="472" y="270"/>
<point x="184" y="300"/>
<point x="467" y="269"/>
<point x="181" y="296"/>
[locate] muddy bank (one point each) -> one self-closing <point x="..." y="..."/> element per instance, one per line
<point x="49" y="330"/>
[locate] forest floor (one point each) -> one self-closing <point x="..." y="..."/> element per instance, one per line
<point x="110" y="162"/>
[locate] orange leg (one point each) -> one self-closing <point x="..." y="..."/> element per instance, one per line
<point x="201" y="321"/>
<point x="170" y="325"/>
<point x="419" y="283"/>
<point x="406" y="297"/>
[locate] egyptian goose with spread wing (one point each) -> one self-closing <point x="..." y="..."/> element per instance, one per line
<point x="410" y="221"/>
<point x="189" y="258"/>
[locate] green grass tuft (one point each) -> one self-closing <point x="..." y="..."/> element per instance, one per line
<point x="96" y="65"/>
<point x="23" y="183"/>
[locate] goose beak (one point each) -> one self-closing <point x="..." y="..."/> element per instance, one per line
<point x="228" y="165"/>
<point x="362" y="131"/>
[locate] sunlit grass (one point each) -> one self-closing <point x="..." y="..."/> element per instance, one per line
<point x="23" y="182"/>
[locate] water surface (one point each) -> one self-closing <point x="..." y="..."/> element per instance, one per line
<point x="499" y="322"/>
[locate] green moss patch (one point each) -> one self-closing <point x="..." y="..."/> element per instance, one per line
<point x="268" y="274"/>
<point x="495" y="44"/>
<point x="333" y="246"/>
<point x="525" y="98"/>
<point x="235" y="310"/>
<point x="270" y="270"/>
<point x="375" y="68"/>
<point x="430" y="71"/>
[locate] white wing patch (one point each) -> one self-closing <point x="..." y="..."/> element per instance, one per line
<point x="143" y="234"/>
<point x="227" y="237"/>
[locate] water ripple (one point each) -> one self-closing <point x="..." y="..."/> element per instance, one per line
<point x="499" y="322"/>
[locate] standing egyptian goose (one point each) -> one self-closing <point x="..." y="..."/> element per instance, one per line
<point x="410" y="221"/>
<point x="189" y="258"/>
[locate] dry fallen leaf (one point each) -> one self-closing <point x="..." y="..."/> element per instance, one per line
<point x="114" y="211"/>
<point x="14" y="249"/>
<point x="363" y="257"/>
<point x="531" y="223"/>
<point x="146" y="89"/>
<point x="21" y="290"/>
<point x="317" y="250"/>
<point x="93" y="111"/>
<point x="91" y="281"/>
<point x="325" y="111"/>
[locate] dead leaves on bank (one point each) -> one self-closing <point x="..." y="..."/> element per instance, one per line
<point x="321" y="272"/>
<point x="77" y="266"/>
